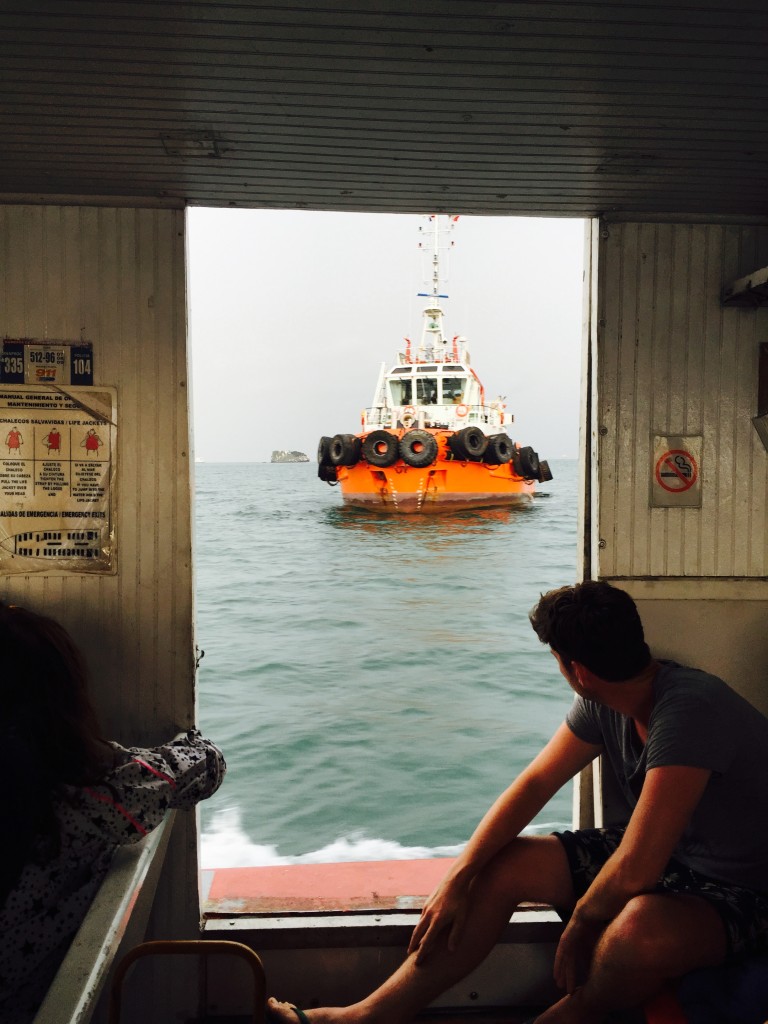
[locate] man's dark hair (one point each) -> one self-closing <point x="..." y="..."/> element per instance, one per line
<point x="595" y="624"/>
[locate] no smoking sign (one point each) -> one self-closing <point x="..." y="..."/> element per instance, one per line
<point x="676" y="472"/>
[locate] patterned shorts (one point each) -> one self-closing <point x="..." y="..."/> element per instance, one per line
<point x="743" y="911"/>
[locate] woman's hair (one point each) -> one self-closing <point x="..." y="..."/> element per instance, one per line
<point x="595" y="624"/>
<point x="49" y="734"/>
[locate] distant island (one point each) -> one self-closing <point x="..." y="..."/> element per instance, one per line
<point x="289" y="457"/>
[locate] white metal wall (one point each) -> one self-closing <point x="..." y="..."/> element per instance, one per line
<point x="669" y="359"/>
<point x="116" y="277"/>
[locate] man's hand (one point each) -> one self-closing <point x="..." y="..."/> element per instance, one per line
<point x="574" y="953"/>
<point x="446" y="908"/>
<point x="667" y="801"/>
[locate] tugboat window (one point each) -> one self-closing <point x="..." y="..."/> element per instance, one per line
<point x="426" y="391"/>
<point x="453" y="389"/>
<point x="402" y="392"/>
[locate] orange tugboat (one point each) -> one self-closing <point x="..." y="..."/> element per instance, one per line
<point x="430" y="441"/>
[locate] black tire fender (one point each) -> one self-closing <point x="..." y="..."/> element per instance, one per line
<point x="418" y="448"/>
<point x="469" y="443"/>
<point x="327" y="473"/>
<point x="380" y="448"/>
<point x="344" y="450"/>
<point x="324" y="452"/>
<point x="529" y="463"/>
<point x="499" y="450"/>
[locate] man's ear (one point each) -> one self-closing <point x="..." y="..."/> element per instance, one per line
<point x="583" y="676"/>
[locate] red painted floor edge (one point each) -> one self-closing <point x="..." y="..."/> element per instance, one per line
<point x="359" y="885"/>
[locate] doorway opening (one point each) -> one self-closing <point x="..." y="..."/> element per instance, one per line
<point x="373" y="680"/>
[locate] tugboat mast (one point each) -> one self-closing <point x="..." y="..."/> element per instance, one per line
<point x="433" y="341"/>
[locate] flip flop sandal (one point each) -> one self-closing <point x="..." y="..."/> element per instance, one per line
<point x="301" y="1017"/>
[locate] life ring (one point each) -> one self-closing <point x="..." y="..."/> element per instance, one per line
<point x="462" y="410"/>
<point x="418" y="448"/>
<point x="380" y="448"/>
<point x="344" y="450"/>
<point x="409" y="411"/>
<point x="469" y="443"/>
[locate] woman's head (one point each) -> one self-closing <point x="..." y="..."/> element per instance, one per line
<point x="49" y="736"/>
<point x="44" y="700"/>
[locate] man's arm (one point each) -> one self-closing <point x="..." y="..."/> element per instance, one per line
<point x="668" y="799"/>
<point x="563" y="757"/>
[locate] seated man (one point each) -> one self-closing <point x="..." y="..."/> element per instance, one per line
<point x="683" y="886"/>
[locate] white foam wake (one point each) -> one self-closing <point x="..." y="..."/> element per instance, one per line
<point x="225" y="845"/>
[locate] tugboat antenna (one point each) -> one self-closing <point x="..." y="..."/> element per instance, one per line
<point x="434" y="245"/>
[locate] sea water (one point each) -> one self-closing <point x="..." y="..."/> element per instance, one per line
<point x="373" y="679"/>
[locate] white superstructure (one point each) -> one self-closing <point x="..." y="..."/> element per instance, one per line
<point x="435" y="385"/>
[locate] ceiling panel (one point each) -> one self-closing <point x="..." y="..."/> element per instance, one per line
<point x="460" y="105"/>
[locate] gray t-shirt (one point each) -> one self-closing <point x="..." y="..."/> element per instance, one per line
<point x="698" y="721"/>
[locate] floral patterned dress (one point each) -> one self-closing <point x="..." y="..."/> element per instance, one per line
<point x="48" y="903"/>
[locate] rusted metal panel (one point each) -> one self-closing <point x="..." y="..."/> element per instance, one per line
<point x="313" y="888"/>
<point x="672" y="361"/>
<point x="345" y="888"/>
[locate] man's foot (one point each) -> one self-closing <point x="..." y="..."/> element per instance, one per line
<point x="287" y="1013"/>
<point x="277" y="1013"/>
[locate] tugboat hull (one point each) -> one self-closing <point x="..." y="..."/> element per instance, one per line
<point x="446" y="483"/>
<point x="425" y="491"/>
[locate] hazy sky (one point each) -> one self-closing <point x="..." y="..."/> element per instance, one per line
<point x="292" y="313"/>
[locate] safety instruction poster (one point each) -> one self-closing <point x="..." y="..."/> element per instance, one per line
<point x="57" y="459"/>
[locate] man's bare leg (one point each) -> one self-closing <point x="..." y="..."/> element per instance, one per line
<point x="655" y="939"/>
<point x="531" y="868"/>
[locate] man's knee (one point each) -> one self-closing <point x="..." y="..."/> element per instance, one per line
<point x="533" y="869"/>
<point x="662" y="935"/>
<point x="632" y="940"/>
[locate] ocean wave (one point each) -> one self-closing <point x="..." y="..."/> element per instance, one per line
<point x="225" y="845"/>
<point x="372" y="688"/>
